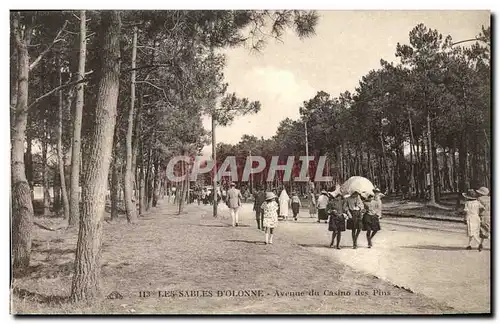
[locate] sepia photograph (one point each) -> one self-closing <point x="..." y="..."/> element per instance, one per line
<point x="250" y="162"/>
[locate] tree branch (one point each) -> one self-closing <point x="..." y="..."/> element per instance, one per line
<point x="56" y="39"/>
<point x="155" y="86"/>
<point x="45" y="95"/>
<point x="146" y="67"/>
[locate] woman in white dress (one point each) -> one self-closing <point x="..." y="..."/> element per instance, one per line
<point x="284" y="200"/>
<point x="472" y="210"/>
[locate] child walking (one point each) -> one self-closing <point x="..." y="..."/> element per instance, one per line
<point x="270" y="214"/>
<point x="296" y="204"/>
<point x="472" y="209"/>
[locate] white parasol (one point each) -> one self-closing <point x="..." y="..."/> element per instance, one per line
<point x="359" y="184"/>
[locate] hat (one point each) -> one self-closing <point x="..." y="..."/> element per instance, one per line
<point x="483" y="191"/>
<point x="376" y="189"/>
<point x="470" y="194"/>
<point x="270" y="195"/>
<point x="324" y="192"/>
<point x="232" y="184"/>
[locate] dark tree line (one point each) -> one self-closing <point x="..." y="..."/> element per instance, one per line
<point x="420" y="126"/>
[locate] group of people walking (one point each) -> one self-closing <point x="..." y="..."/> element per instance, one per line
<point x="352" y="212"/>
<point x="477" y="216"/>
<point x="349" y="212"/>
<point x="340" y="212"/>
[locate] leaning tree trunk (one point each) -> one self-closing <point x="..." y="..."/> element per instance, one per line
<point x="74" y="212"/>
<point x="22" y="206"/>
<point x="85" y="285"/>
<point x="130" y="205"/>
<point x="60" y="159"/>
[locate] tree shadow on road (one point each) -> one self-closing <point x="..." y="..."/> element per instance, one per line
<point x="210" y="225"/>
<point x="316" y="245"/>
<point x="439" y="248"/>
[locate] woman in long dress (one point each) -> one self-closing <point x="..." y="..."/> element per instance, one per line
<point x="312" y="204"/>
<point x="472" y="209"/>
<point x="484" y="230"/>
<point x="284" y="200"/>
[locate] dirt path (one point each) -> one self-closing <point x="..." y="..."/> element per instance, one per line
<point x="197" y="258"/>
<point x="425" y="256"/>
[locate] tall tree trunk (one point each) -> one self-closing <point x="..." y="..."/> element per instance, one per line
<point x="384" y="157"/>
<point x="130" y="205"/>
<point x="447" y="186"/>
<point x="85" y="285"/>
<point x="57" y="192"/>
<point x="157" y="184"/>
<point x="462" y="167"/>
<point x="149" y="178"/>
<point x="412" y="153"/>
<point x="74" y="205"/>
<point x="431" y="164"/>
<point x="486" y="168"/>
<point x="453" y="172"/>
<point x="135" y="151"/>
<point x="436" y="172"/>
<point x="115" y="180"/>
<point x="22" y="206"/>
<point x="60" y="153"/>
<point x="28" y="158"/>
<point x="142" y="174"/>
<point x="418" y="179"/>
<point x="181" y="192"/>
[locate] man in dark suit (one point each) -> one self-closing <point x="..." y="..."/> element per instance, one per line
<point x="259" y="197"/>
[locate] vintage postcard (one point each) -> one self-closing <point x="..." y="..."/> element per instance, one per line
<point x="250" y="162"/>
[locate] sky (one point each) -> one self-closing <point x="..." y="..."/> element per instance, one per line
<point x="347" y="45"/>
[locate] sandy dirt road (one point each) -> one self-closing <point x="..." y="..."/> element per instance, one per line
<point x="424" y="256"/>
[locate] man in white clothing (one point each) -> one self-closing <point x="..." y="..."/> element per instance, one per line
<point x="234" y="202"/>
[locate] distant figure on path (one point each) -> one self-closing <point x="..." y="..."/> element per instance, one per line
<point x="312" y="204"/>
<point x="259" y="197"/>
<point x="296" y="204"/>
<point x="276" y="198"/>
<point x="234" y="202"/>
<point x="484" y="230"/>
<point x="472" y="209"/>
<point x="336" y="223"/>
<point x="284" y="200"/>
<point x="204" y="196"/>
<point x="270" y="211"/>
<point x="321" y="205"/>
<point x="354" y="214"/>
